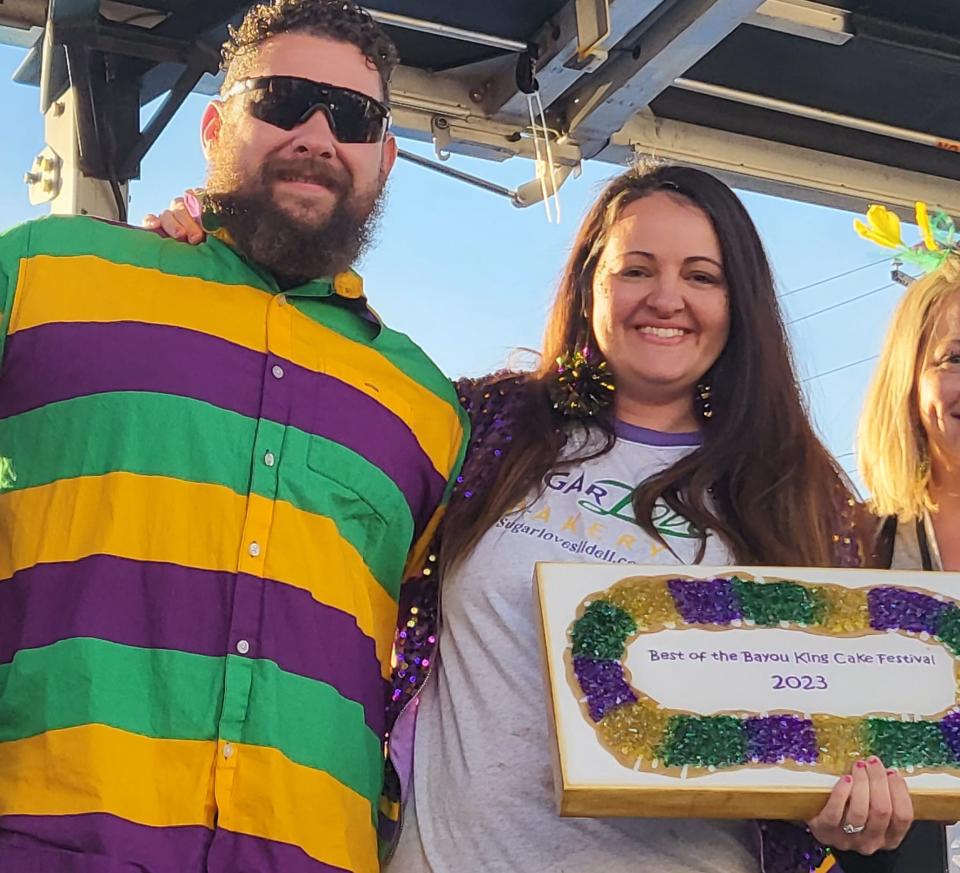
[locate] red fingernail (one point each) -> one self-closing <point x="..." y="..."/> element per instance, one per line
<point x="861" y="765"/>
<point x="873" y="760"/>
<point x="891" y="772"/>
<point x="848" y="779"/>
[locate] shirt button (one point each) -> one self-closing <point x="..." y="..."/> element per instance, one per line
<point x="243" y="647"/>
<point x="281" y="299"/>
<point x="269" y="459"/>
<point x="227" y="750"/>
<point x="277" y="371"/>
<point x="254" y="549"/>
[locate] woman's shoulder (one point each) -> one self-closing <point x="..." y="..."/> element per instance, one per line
<point x="501" y="383"/>
<point x="496" y="396"/>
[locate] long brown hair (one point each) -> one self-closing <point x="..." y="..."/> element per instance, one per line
<point x="761" y="479"/>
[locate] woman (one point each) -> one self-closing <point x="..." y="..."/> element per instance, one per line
<point x="909" y="440"/>
<point x="704" y="454"/>
<point x="909" y="445"/>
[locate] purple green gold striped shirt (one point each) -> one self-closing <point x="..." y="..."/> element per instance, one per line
<point x="211" y="490"/>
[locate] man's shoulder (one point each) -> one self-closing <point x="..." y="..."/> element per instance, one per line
<point x="68" y="235"/>
<point x="125" y="246"/>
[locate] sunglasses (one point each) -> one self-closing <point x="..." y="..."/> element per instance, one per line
<point x="288" y="101"/>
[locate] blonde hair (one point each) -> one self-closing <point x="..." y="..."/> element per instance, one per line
<point x="891" y="442"/>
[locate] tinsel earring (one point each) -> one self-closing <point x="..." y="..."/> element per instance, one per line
<point x="704" y="394"/>
<point x="582" y="384"/>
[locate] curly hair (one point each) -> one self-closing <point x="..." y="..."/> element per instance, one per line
<point x="340" y="20"/>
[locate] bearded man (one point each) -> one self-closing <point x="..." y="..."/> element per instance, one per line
<point x="218" y="463"/>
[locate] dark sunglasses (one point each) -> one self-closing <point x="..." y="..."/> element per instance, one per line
<point x="287" y="101"/>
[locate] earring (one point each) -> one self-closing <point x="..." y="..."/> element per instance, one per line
<point x="703" y="395"/>
<point x="582" y="384"/>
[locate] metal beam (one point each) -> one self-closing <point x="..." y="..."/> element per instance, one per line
<point x="673" y="42"/>
<point x="756" y="164"/>
<point x="805" y="19"/>
<point x="57" y="177"/>
<point x="813" y="113"/>
<point x="558" y="68"/>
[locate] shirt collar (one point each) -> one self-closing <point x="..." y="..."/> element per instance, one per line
<point x="344" y="289"/>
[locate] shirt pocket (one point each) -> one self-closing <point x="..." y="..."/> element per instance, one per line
<point x="351" y="484"/>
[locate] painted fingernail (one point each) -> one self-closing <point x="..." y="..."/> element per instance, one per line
<point x="848" y="778"/>
<point x="891" y="772"/>
<point x="873" y="760"/>
<point x="860" y="765"/>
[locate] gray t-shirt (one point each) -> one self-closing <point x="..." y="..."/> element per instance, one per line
<point x="483" y="799"/>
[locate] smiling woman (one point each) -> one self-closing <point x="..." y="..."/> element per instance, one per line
<point x="702" y="451"/>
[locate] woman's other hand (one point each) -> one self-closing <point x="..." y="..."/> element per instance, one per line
<point x="181" y="221"/>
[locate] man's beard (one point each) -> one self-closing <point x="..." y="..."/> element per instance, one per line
<point x="295" y="248"/>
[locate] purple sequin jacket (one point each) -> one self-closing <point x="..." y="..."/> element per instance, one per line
<point x="495" y="404"/>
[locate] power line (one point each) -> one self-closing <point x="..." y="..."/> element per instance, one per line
<point x="833" y="278"/>
<point x="838" y="369"/>
<point x="842" y="303"/>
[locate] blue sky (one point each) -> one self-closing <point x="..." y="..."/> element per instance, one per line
<point x="470" y="277"/>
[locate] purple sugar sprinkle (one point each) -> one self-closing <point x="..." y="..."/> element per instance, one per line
<point x="899" y="609"/>
<point x="773" y="739"/>
<point x="950" y="728"/>
<point x="603" y="684"/>
<point x="710" y="601"/>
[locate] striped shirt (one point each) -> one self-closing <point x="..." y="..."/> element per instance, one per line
<point x="211" y="490"/>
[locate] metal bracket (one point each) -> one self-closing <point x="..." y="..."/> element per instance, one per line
<point x="593" y="28"/>
<point x="440" y="130"/>
<point x="531" y="193"/>
<point x="897" y="275"/>
<point x="44" y="179"/>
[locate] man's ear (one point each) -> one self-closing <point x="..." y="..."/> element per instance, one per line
<point x="389" y="157"/>
<point x="211" y="126"/>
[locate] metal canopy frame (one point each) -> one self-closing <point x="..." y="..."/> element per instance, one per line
<point x="764" y="91"/>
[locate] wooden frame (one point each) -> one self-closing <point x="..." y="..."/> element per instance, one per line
<point x="591" y="781"/>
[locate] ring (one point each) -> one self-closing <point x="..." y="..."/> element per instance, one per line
<point x="852" y="829"/>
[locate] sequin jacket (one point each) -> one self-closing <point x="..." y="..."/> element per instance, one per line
<point x="494" y="405"/>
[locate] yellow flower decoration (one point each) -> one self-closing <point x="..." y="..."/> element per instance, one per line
<point x="923" y="221"/>
<point x="882" y="227"/>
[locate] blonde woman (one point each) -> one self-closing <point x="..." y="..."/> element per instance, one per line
<point x="909" y="438"/>
<point x="909" y="451"/>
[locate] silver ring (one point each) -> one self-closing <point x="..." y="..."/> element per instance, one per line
<point x="852" y="829"/>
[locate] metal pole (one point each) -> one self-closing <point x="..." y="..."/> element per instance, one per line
<point x="848" y="121"/>
<point x="457" y="174"/>
<point x="423" y="26"/>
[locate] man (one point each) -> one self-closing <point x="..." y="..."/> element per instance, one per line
<point x="218" y="463"/>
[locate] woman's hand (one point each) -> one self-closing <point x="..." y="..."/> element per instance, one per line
<point x="867" y="811"/>
<point x="181" y="221"/>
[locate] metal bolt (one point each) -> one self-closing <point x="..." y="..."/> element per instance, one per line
<point x="476" y="95"/>
<point x="441" y="123"/>
<point x="58" y="108"/>
<point x="32" y="178"/>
